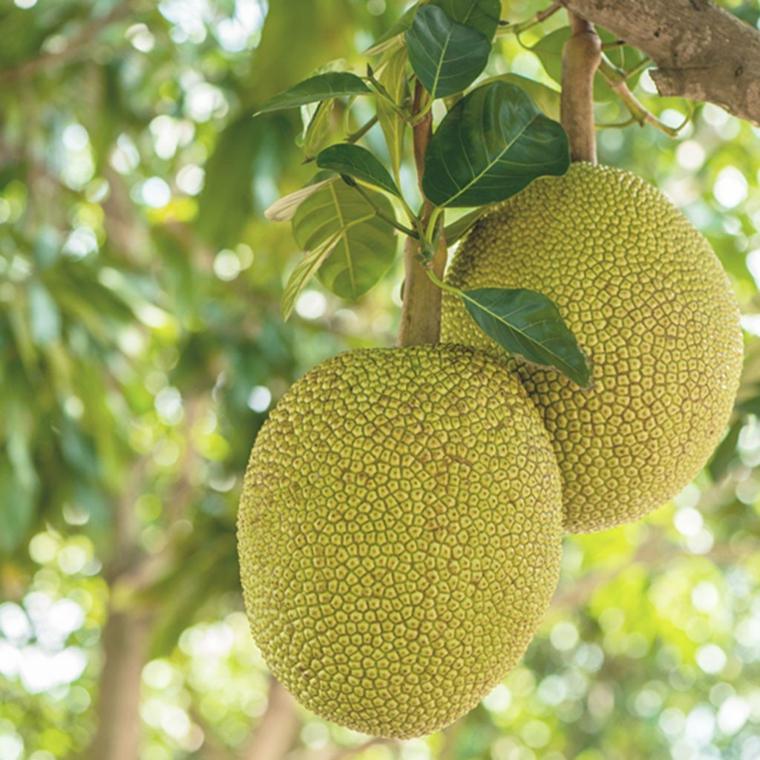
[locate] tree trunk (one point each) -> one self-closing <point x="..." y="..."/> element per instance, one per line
<point x="126" y="638"/>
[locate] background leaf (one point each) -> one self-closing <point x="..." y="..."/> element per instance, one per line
<point x="366" y="244"/>
<point x="446" y="56"/>
<point x="333" y="84"/>
<point x="358" y="163"/>
<point x="529" y="325"/>
<point x="492" y="144"/>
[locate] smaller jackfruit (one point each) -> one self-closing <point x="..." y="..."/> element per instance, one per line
<point x="650" y="305"/>
<point x="399" y="535"/>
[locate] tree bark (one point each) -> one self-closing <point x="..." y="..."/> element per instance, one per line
<point x="701" y="51"/>
<point x="125" y="643"/>
<point x="277" y="728"/>
<point x="580" y="60"/>
<point x="421" y="310"/>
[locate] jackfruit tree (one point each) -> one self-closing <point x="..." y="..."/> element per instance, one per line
<point x="589" y="290"/>
<point x="501" y="497"/>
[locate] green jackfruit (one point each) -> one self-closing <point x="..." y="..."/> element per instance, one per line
<point x="399" y="535"/>
<point x="651" y="306"/>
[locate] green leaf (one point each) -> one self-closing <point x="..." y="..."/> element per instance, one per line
<point x="366" y="243"/>
<point x="317" y="134"/>
<point x="529" y="325"/>
<point x="359" y="163"/>
<point x="446" y="56"/>
<point x="490" y="145"/>
<point x="459" y="228"/>
<point x="383" y="42"/>
<point x="44" y="316"/>
<point x="393" y="78"/>
<point x="284" y="209"/>
<point x="546" y="98"/>
<point x="16" y="508"/>
<point x="725" y="456"/>
<point x="304" y="271"/>
<point x="549" y="51"/>
<point x="482" y="15"/>
<point x="333" y="84"/>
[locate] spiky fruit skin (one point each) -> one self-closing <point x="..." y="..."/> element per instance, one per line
<point x="653" y="309"/>
<point x="399" y="535"/>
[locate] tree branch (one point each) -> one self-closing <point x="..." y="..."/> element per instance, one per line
<point x="580" y="60"/>
<point x="421" y="311"/>
<point x="701" y="51"/>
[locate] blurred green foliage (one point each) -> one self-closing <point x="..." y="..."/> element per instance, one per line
<point x="141" y="346"/>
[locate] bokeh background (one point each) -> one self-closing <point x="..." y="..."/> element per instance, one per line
<point x="141" y="346"/>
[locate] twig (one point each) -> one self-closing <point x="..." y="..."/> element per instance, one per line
<point x="616" y="79"/>
<point x="359" y="133"/>
<point x="523" y="26"/>
<point x="580" y="60"/>
<point x="77" y="45"/>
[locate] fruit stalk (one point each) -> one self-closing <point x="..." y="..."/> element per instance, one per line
<point x="421" y="310"/>
<point x="580" y="60"/>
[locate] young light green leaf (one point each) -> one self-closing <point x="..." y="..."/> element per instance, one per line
<point x="446" y="56"/>
<point x="332" y="84"/>
<point x="366" y="246"/>
<point x="304" y="271"/>
<point x="388" y="38"/>
<point x="283" y="209"/>
<point x="529" y="325"/>
<point x="482" y="15"/>
<point x="492" y="144"/>
<point x="317" y="134"/>
<point x="393" y="78"/>
<point x="359" y="163"/>
<point x="459" y="228"/>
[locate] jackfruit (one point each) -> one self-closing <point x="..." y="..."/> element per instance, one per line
<point x="399" y="535"/>
<point x="652" y="308"/>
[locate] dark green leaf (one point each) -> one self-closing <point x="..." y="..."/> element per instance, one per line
<point x="546" y="98"/>
<point x="491" y="145"/>
<point x="482" y="15"/>
<point x="321" y="87"/>
<point x="358" y="163"/>
<point x="529" y="325"/>
<point x="446" y="56"/>
<point x="366" y="244"/>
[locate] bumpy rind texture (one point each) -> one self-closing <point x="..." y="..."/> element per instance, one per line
<point x="650" y="304"/>
<point x="399" y="535"/>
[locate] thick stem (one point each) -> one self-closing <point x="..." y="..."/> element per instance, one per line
<point x="580" y="60"/>
<point x="421" y="311"/>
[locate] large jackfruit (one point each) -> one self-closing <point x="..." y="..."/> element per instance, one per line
<point x="399" y="535"/>
<point x="651" y="306"/>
